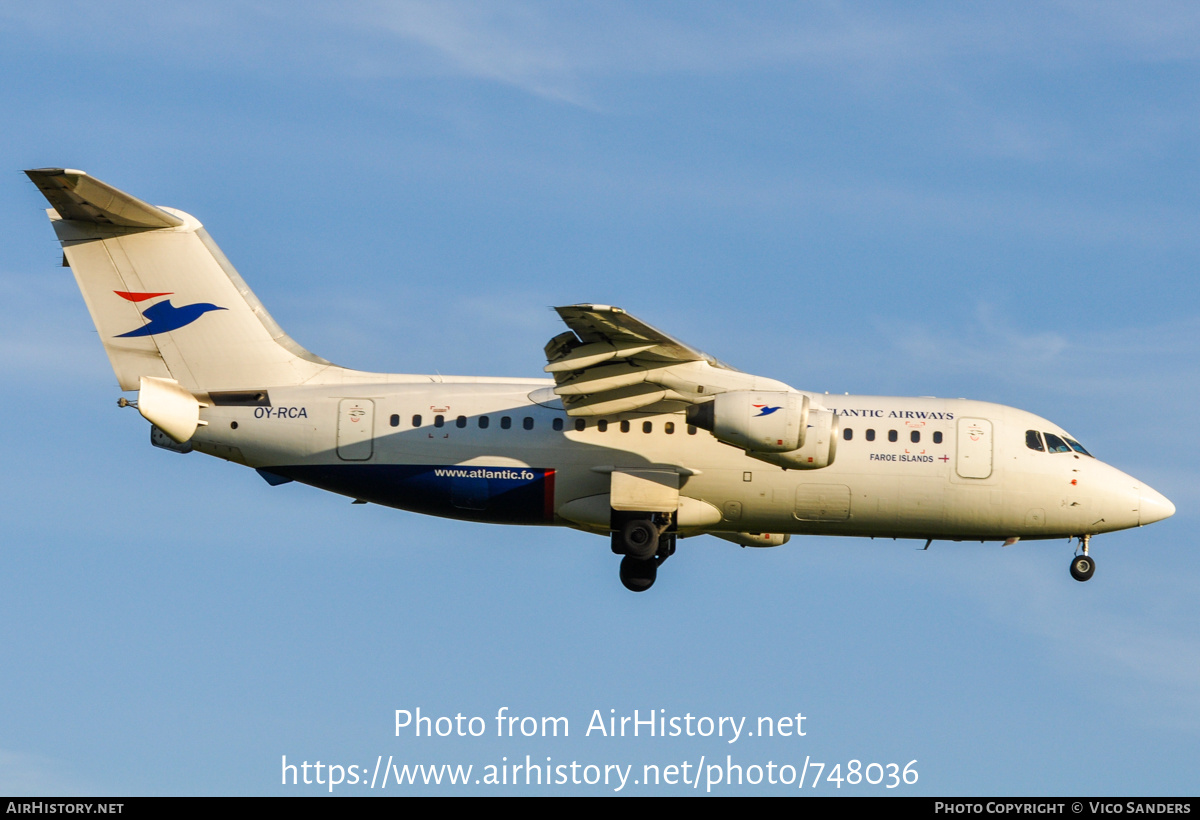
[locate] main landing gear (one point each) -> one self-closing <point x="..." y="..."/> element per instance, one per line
<point x="1082" y="565"/>
<point x="638" y="576"/>
<point x="645" y="542"/>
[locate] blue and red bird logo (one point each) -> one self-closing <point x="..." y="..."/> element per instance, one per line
<point x="765" y="410"/>
<point x="163" y="317"/>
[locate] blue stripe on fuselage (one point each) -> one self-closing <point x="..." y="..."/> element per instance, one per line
<point x="501" y="495"/>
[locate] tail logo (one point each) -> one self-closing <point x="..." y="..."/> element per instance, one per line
<point x="163" y="317"/>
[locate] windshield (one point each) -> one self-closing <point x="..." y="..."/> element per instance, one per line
<point x="1077" y="447"/>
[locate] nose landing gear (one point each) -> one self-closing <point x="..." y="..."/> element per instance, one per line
<point x="1082" y="566"/>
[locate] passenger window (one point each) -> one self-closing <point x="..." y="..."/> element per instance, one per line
<point x="691" y="429"/>
<point x="870" y="435"/>
<point x="417" y="420"/>
<point x="438" y="421"/>
<point x="395" y="420"/>
<point x="847" y="434"/>
<point x="624" y="425"/>
<point x="647" y="426"/>
<point x="528" y="423"/>
<point x="505" y="422"/>
<point x="557" y="424"/>
<point x="483" y="422"/>
<point x="580" y="424"/>
<point x="602" y="425"/>
<point x="1056" y="445"/>
<point x="915" y="437"/>
<point x="461" y="421"/>
<point x="937" y="437"/>
<point x="669" y="428"/>
<point x="1033" y="440"/>
<point x="892" y="436"/>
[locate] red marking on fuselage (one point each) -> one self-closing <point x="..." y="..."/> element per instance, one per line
<point x="138" y="297"/>
<point x="548" y="489"/>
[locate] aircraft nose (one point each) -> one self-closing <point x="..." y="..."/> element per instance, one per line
<point x="1154" y="507"/>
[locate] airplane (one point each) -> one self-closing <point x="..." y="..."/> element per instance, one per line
<point x="635" y="435"/>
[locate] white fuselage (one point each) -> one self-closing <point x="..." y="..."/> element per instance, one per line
<point x="505" y="451"/>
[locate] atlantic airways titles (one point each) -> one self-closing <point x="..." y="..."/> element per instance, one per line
<point x="907" y="415"/>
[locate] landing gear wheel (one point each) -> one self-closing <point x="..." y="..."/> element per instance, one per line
<point x="641" y="539"/>
<point x="1082" y="567"/>
<point x="638" y="576"/>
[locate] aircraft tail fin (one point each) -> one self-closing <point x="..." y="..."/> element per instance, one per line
<point x="165" y="300"/>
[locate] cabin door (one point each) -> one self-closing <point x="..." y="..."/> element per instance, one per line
<point x="356" y="429"/>
<point x="974" y="442"/>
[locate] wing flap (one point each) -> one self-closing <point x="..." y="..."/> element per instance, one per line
<point x="601" y="378"/>
<point x="614" y="363"/>
<point x="608" y="325"/>
<point x="595" y="353"/>
<point x="611" y="402"/>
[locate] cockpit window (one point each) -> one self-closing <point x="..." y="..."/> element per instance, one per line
<point x="1077" y="447"/>
<point x="1033" y="440"/>
<point x="1056" y="445"/>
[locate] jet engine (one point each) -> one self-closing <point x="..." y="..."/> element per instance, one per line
<point x="766" y="422"/>
<point x="819" y="448"/>
<point x="773" y="426"/>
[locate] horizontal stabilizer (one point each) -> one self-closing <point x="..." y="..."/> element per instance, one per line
<point x="81" y="198"/>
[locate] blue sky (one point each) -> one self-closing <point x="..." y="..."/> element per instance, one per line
<point x="920" y="199"/>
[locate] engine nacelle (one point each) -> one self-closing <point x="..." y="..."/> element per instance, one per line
<point x="758" y="422"/>
<point x="820" y="445"/>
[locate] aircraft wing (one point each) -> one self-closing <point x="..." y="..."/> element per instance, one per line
<point x="610" y="362"/>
